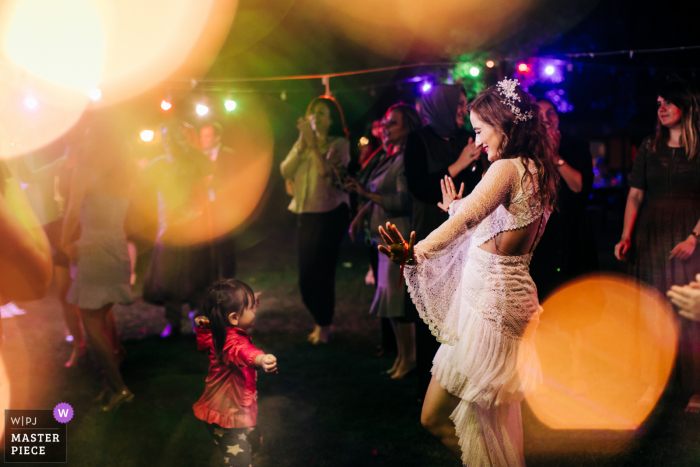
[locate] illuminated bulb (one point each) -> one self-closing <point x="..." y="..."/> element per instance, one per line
<point x="147" y="135"/>
<point x="165" y="105"/>
<point x="95" y="94"/>
<point x="364" y="141"/>
<point x="426" y="87"/>
<point x="474" y="71"/>
<point x="202" y="109"/>
<point x="30" y="102"/>
<point x="230" y="105"/>
<point x="523" y="68"/>
<point x="490" y="64"/>
<point x="549" y="69"/>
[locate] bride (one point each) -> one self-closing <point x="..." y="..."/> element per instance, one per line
<point x="470" y="282"/>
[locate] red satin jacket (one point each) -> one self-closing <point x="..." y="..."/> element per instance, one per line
<point x="230" y="397"/>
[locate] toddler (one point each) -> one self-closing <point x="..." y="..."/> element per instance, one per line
<point x="229" y="403"/>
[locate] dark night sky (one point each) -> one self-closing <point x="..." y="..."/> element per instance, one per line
<point x="611" y="95"/>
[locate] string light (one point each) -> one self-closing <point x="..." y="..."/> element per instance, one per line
<point x="165" y="105"/>
<point x="202" y="109"/>
<point x="147" y="135"/>
<point x="30" y="102"/>
<point x="230" y="104"/>
<point x="523" y="68"/>
<point x="95" y="94"/>
<point x="490" y="64"/>
<point x="474" y="71"/>
<point x="426" y="87"/>
<point x="549" y="69"/>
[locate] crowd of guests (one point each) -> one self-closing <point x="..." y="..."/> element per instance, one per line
<point x="408" y="160"/>
<point x="401" y="183"/>
<point x="81" y="207"/>
<point x="403" y="160"/>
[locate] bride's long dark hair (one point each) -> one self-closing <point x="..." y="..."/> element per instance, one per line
<point x="523" y="138"/>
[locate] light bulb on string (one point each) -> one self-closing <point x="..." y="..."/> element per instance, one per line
<point x="30" y="102"/>
<point x="523" y="68"/>
<point x="474" y="71"/>
<point x="95" y="94"/>
<point x="426" y="87"/>
<point x="549" y="69"/>
<point x="202" y="107"/>
<point x="490" y="64"/>
<point x="147" y="135"/>
<point x="165" y="104"/>
<point x="229" y="103"/>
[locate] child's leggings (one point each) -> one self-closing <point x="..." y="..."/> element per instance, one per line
<point x="236" y="444"/>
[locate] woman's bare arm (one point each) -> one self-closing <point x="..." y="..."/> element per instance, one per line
<point x="634" y="201"/>
<point x="79" y="184"/>
<point x="25" y="256"/>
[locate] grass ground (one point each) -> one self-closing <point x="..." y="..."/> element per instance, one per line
<point x="328" y="406"/>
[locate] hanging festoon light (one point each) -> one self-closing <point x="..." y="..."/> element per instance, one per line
<point x="490" y="64"/>
<point x="552" y="71"/>
<point x="167" y="103"/>
<point x="229" y="103"/>
<point x="523" y="68"/>
<point x="95" y="94"/>
<point x="474" y="71"/>
<point x="426" y="87"/>
<point x="147" y="135"/>
<point x="30" y="102"/>
<point x="202" y="109"/>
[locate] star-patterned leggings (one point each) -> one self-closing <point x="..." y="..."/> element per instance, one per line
<point x="236" y="444"/>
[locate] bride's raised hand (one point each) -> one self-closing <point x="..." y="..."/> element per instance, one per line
<point x="449" y="193"/>
<point x="395" y="249"/>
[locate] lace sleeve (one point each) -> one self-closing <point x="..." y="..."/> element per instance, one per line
<point x="492" y="191"/>
<point x="435" y="281"/>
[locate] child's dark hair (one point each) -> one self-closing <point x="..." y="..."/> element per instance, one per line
<point x="220" y="300"/>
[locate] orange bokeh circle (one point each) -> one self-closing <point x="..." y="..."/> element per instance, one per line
<point x="607" y="346"/>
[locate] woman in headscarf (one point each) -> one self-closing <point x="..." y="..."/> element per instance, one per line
<point x="441" y="148"/>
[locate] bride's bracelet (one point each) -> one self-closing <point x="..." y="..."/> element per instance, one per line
<point x="403" y="261"/>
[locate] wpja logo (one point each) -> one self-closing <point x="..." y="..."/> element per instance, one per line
<point x="37" y="435"/>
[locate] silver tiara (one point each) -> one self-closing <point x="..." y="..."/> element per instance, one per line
<point x="507" y="90"/>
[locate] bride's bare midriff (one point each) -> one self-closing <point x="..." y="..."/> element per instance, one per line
<point x="512" y="242"/>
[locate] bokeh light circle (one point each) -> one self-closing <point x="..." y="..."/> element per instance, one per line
<point x="75" y="53"/>
<point x="149" y="41"/>
<point x="53" y="52"/>
<point x="227" y="199"/>
<point x="607" y="346"/>
<point x="4" y="393"/>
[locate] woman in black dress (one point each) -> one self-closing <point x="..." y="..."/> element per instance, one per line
<point x="662" y="217"/>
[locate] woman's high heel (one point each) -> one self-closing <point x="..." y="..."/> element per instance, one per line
<point x="123" y="397"/>
<point x="106" y="390"/>
<point x="78" y="353"/>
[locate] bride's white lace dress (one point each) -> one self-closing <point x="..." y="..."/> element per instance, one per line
<point x="484" y="309"/>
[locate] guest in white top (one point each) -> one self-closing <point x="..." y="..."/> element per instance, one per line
<point x="315" y="168"/>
